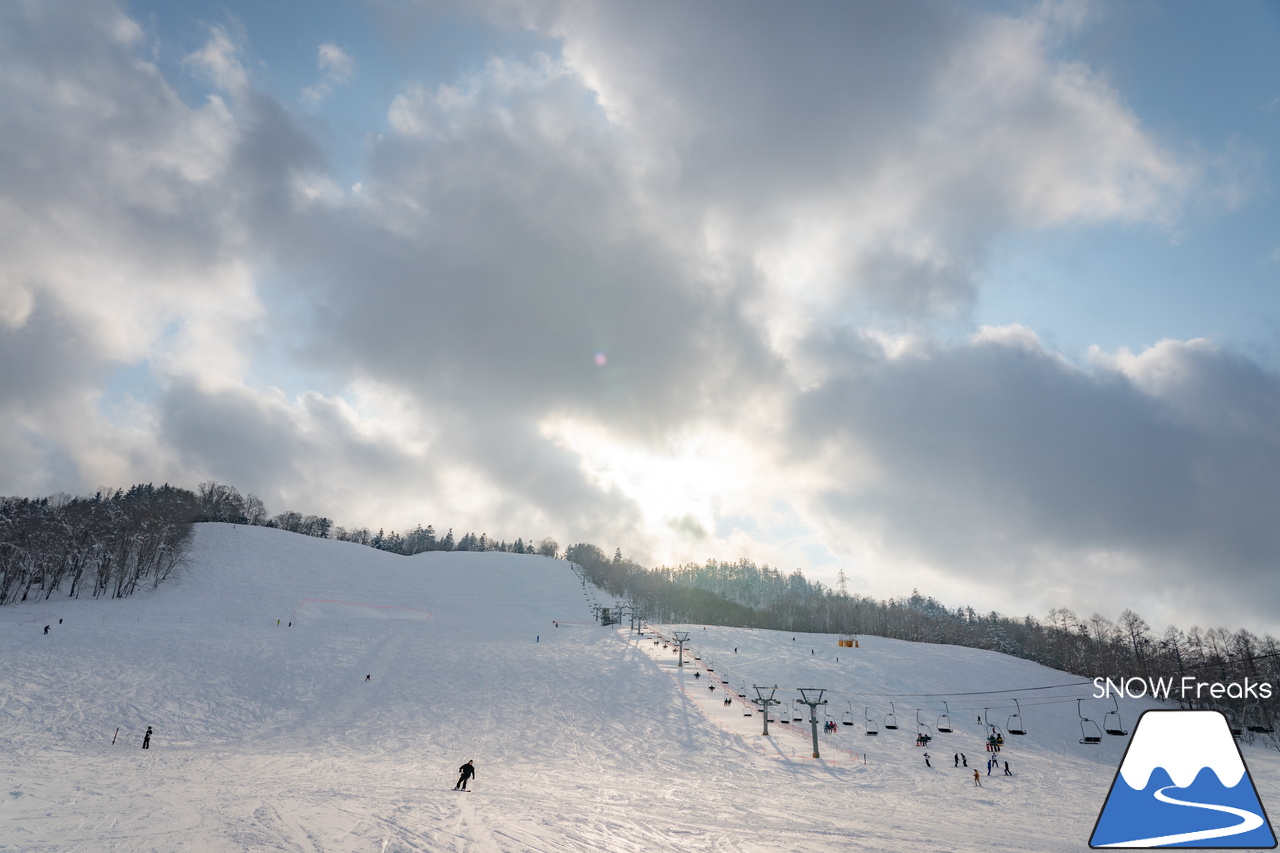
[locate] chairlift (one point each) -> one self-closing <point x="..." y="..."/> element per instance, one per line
<point x="944" y="721"/>
<point x="1231" y="723"/>
<point x="1112" y="722"/>
<point x="784" y="716"/>
<point x="923" y="729"/>
<point x="1014" y="725"/>
<point x="1085" y="737"/>
<point x="847" y="719"/>
<point x="872" y="728"/>
<point x="1259" y="726"/>
<point x="890" y="719"/>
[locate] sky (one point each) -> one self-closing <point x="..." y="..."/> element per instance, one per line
<point x="974" y="299"/>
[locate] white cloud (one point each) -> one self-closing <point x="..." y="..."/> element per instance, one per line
<point x="336" y="69"/>
<point x="219" y="59"/>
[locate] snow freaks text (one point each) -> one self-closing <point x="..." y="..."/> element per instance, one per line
<point x="1185" y="688"/>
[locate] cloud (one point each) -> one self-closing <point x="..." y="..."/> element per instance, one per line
<point x="219" y="60"/>
<point x="769" y="224"/>
<point x="1149" y="474"/>
<point x="336" y="69"/>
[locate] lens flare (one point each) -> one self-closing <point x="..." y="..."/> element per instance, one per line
<point x="601" y="360"/>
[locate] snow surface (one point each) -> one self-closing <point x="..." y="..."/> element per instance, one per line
<point x="584" y="738"/>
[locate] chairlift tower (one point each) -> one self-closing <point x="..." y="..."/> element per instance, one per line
<point x="765" y="702"/>
<point x="681" y="637"/>
<point x="812" y="696"/>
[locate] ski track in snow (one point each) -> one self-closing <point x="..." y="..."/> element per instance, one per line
<point x="269" y="738"/>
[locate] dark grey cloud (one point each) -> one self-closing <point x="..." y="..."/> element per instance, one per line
<point x="997" y="459"/>
<point x="307" y="456"/>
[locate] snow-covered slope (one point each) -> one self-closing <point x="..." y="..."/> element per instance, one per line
<point x="585" y="738"/>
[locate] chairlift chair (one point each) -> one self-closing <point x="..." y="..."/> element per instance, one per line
<point x="1259" y="727"/>
<point x="890" y="719"/>
<point x="1234" y="726"/>
<point x="784" y="716"/>
<point x="1112" y="722"/>
<point x="944" y="721"/>
<point x="1014" y="725"/>
<point x="847" y="719"/>
<point x="872" y="728"/>
<point x="922" y="728"/>
<point x="1085" y="736"/>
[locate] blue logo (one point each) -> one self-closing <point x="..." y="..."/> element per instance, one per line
<point x="1183" y="783"/>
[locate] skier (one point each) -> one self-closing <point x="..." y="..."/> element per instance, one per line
<point x="467" y="771"/>
<point x="926" y="760"/>
<point x="957" y="759"/>
<point x="1006" y="769"/>
<point x="989" y="763"/>
<point x="368" y="677"/>
<point x="146" y="739"/>
<point x="977" y="779"/>
<point x="697" y="675"/>
<point x="964" y="760"/>
<point x="46" y="629"/>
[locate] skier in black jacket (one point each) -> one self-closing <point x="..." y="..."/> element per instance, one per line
<point x="467" y="771"/>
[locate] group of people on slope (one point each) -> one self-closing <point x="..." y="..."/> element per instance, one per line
<point x="961" y="760"/>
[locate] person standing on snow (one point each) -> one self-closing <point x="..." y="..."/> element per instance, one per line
<point x="926" y="760"/>
<point x="1006" y="769"/>
<point x="466" y="771"/>
<point x="146" y="739"/>
<point x="977" y="779"/>
<point x="957" y="759"/>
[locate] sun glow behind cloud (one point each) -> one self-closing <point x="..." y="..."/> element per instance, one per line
<point x="686" y="489"/>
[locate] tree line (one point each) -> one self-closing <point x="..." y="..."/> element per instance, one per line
<point x="119" y="540"/>
<point x="111" y="543"/>
<point x="221" y="502"/>
<point x="744" y="594"/>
